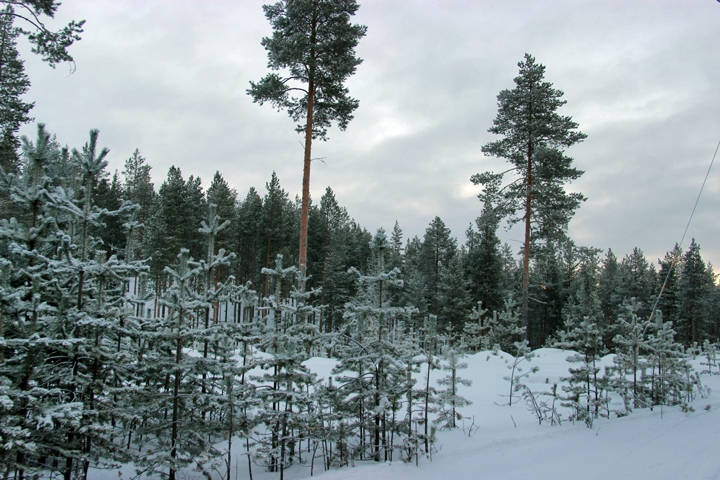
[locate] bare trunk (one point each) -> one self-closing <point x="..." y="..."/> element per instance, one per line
<point x="526" y="249"/>
<point x="427" y="400"/>
<point x="305" y="209"/>
<point x="176" y="397"/>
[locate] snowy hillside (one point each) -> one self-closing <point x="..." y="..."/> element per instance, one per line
<point x="652" y="445"/>
<point x="506" y="442"/>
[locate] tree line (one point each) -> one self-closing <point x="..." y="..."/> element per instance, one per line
<point x="440" y="276"/>
<point x="113" y="353"/>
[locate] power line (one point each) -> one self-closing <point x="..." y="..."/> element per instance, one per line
<point x="700" y="193"/>
<point x="692" y="214"/>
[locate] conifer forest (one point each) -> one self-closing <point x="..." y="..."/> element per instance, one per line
<point x="176" y="327"/>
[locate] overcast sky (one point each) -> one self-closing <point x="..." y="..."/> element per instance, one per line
<point x="642" y="79"/>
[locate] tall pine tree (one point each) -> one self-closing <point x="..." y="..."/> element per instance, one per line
<point x="533" y="136"/>
<point x="315" y="42"/>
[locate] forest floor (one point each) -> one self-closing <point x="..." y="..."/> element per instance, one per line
<point x="506" y="442"/>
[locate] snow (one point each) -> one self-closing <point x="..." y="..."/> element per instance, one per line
<point x="665" y="443"/>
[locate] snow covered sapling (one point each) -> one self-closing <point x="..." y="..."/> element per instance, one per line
<point x="670" y="377"/>
<point x="448" y="401"/>
<point x="289" y="337"/>
<point x="503" y="329"/>
<point x="543" y="409"/>
<point x="374" y="355"/>
<point x="522" y="354"/>
<point x="709" y="351"/>
<point x="430" y="332"/>
<point x="62" y="302"/>
<point x="630" y="357"/>
<point x="585" y="338"/>
<point x="473" y="330"/>
<point x="662" y="350"/>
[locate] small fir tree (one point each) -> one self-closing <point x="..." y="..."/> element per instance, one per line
<point x="448" y="400"/>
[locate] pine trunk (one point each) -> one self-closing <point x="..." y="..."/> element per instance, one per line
<point x="526" y="249"/>
<point x="305" y="209"/>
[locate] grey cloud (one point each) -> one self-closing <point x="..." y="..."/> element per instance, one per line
<point x="640" y="77"/>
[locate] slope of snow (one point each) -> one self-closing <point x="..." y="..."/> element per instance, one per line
<point x="667" y="444"/>
<point x="508" y="443"/>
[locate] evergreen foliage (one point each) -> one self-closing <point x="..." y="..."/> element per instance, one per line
<point x="374" y="359"/>
<point x="695" y="288"/>
<point x="608" y="294"/>
<point x="63" y="304"/>
<point x="484" y="263"/>
<point x="139" y="190"/>
<point x="436" y="252"/>
<point x="108" y="356"/>
<point x="533" y="136"/>
<point x="630" y="365"/>
<point x="448" y="401"/>
<point x="453" y="297"/>
<point x="14" y="83"/>
<point x="51" y="46"/>
<point x="315" y="42"/>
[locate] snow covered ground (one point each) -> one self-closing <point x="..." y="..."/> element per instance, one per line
<point x="645" y="445"/>
<point x="508" y="443"/>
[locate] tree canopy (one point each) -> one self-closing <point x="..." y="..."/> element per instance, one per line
<point x="314" y="43"/>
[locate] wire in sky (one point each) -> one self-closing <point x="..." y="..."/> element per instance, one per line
<point x="692" y="214"/>
<point x="700" y="193"/>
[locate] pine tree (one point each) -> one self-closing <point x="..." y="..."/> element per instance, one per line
<point x="695" y="290"/>
<point x="670" y="378"/>
<point x="177" y="212"/>
<point x="583" y="334"/>
<point x="180" y="389"/>
<point x="454" y="298"/>
<point x="27" y="241"/>
<point x="484" y="264"/>
<point x="249" y="238"/>
<point x="275" y="226"/>
<point x="290" y="338"/>
<point x="315" y="41"/>
<point x="448" y="401"/>
<point x="93" y="317"/>
<point x="607" y="291"/>
<point x="370" y="353"/>
<point x="438" y="248"/>
<point x="533" y="134"/>
<point x="630" y="357"/>
<point x="396" y="247"/>
<point x="224" y="198"/>
<point x="14" y="83"/>
<point x="108" y="196"/>
<point x="553" y="270"/>
<point x="638" y="280"/>
<point x="512" y="273"/>
<point x="195" y="212"/>
<point x="166" y="233"/>
<point x="503" y="329"/>
<point x="583" y="295"/>
<point x="333" y="263"/>
<point x="63" y="417"/>
<point x="521" y="353"/>
<point x="585" y="385"/>
<point x="51" y="46"/>
<point x="138" y="189"/>
<point x="427" y="392"/>
<point x="474" y="330"/>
